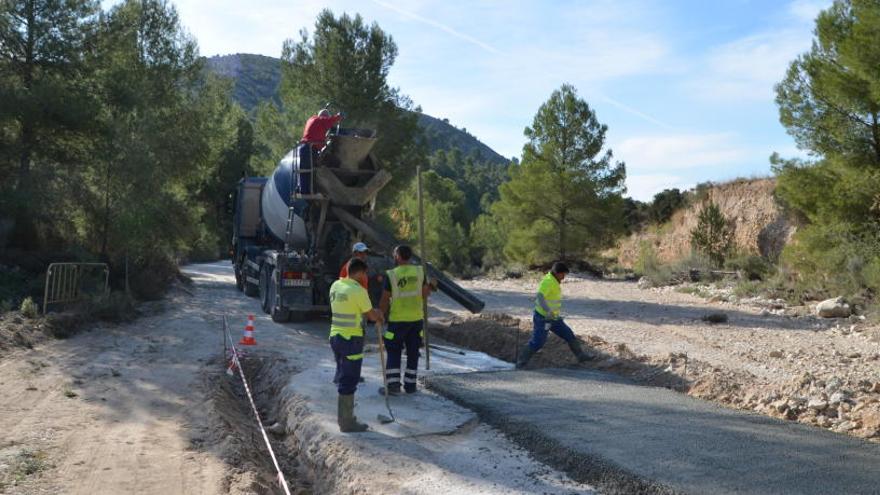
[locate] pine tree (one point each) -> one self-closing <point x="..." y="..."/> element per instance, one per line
<point x="564" y="199"/>
<point x="829" y="102"/>
<point x="346" y="63"/>
<point x="712" y="236"/>
<point x="44" y="105"/>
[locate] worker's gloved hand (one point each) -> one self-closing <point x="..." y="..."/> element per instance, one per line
<point x="554" y="315"/>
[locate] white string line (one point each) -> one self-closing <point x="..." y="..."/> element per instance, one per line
<point x="237" y="363"/>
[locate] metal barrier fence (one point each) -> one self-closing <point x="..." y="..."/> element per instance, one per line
<point x="69" y="282"/>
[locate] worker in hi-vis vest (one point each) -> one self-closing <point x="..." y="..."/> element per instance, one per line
<point x="548" y="311"/>
<point x="402" y="300"/>
<point x="349" y="305"/>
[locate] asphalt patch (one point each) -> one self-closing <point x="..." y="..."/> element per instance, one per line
<point x="621" y="437"/>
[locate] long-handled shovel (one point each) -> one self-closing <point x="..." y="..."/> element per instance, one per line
<point x="381" y="417"/>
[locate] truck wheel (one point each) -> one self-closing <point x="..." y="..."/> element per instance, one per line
<point x="251" y="290"/>
<point x="278" y="314"/>
<point x="264" y="289"/>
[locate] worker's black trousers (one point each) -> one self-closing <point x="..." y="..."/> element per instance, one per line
<point x="398" y="336"/>
<point x="349" y="358"/>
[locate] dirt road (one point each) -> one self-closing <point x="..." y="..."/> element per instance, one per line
<point x="114" y="410"/>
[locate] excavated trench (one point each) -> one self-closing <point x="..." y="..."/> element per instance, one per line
<point x="312" y="461"/>
<point x="237" y="438"/>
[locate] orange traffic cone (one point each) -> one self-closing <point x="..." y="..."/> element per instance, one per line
<point x="248" y="338"/>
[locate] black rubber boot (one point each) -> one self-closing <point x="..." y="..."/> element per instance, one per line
<point x="524" y="357"/>
<point x="348" y="423"/>
<point x="578" y="351"/>
<point x="392" y="390"/>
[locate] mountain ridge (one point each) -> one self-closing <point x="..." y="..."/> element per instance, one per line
<point x="256" y="79"/>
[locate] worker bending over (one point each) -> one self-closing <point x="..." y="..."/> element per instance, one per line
<point x="314" y="138"/>
<point x="548" y="309"/>
<point x="403" y="300"/>
<point x="349" y="304"/>
<point x="315" y="131"/>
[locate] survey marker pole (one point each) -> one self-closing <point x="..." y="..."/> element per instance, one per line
<point x="424" y="259"/>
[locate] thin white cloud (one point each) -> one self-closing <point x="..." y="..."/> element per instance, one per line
<point x="807" y="10"/>
<point x="653" y="153"/>
<point x="633" y="111"/>
<point x="438" y="25"/>
<point x="747" y="69"/>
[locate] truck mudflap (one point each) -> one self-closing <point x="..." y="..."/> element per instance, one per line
<point x="379" y="239"/>
<point x="297" y="298"/>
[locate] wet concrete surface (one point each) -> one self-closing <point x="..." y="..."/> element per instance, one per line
<point x="414" y="414"/>
<point x="625" y="438"/>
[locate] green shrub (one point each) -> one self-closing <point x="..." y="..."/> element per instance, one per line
<point x="649" y="266"/>
<point x="748" y="288"/>
<point x="116" y="307"/>
<point x="29" y="308"/>
<point x="665" y="204"/>
<point x="152" y="276"/>
<point x="712" y="236"/>
<point x="835" y="260"/>
<point x="695" y="266"/>
<point x="752" y="267"/>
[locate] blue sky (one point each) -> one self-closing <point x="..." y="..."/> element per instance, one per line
<point x="685" y="87"/>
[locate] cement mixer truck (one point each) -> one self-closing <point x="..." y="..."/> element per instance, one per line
<point x="293" y="230"/>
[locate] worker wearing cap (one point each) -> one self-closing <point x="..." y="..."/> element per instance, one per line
<point x="403" y="300"/>
<point x="349" y="305"/>
<point x="315" y="131"/>
<point x="358" y="251"/>
<point x="313" y="139"/>
<point x="548" y="310"/>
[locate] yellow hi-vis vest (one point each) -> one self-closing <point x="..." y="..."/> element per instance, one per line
<point x="552" y="293"/>
<point x="348" y="302"/>
<point x="406" y="293"/>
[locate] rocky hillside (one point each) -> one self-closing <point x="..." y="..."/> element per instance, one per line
<point x="760" y="226"/>
<point x="441" y="135"/>
<point x="256" y="78"/>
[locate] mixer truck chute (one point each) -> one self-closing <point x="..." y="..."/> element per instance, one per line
<point x="293" y="230"/>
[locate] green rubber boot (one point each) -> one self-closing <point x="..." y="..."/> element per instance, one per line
<point x="524" y="357"/>
<point x="348" y="423"/>
<point x="578" y="351"/>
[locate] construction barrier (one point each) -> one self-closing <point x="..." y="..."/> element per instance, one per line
<point x="70" y="282"/>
